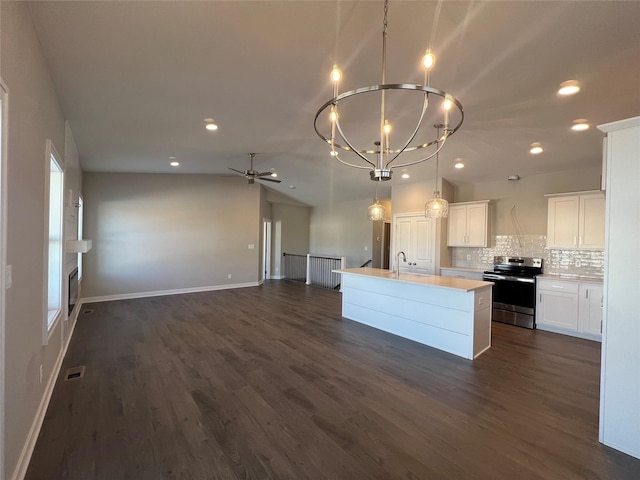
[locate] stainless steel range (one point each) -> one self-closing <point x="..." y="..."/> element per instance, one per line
<point x="514" y="291"/>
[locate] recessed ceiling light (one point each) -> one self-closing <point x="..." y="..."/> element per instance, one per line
<point x="406" y="175"/>
<point x="459" y="163"/>
<point x="570" y="87"/>
<point x="210" y="124"/>
<point x="292" y="187"/>
<point x="536" y="148"/>
<point x="274" y="174"/>
<point x="172" y="158"/>
<point x="580" y="125"/>
<point x="175" y="164"/>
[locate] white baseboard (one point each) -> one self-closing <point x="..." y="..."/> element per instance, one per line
<point x="278" y="277"/>
<point x="27" y="451"/>
<point x="159" y="293"/>
<point x="571" y="333"/>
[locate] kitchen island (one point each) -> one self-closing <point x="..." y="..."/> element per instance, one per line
<point x="451" y="314"/>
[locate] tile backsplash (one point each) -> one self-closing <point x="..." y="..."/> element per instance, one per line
<point x="569" y="262"/>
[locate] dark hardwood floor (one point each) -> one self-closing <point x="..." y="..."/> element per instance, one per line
<point x="271" y="383"/>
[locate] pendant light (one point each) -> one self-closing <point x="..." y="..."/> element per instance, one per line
<point x="437" y="207"/>
<point x="376" y="211"/>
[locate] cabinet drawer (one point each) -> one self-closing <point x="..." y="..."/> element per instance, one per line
<point x="558" y="286"/>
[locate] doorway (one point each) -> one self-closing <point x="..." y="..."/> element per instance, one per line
<point x="266" y="253"/>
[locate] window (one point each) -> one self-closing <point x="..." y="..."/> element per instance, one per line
<point x="54" y="197"/>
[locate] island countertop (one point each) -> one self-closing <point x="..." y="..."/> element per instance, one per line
<point x="463" y="284"/>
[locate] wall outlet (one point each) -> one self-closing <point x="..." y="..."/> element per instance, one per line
<point x="366" y="248"/>
<point x="41" y="373"/>
<point x="468" y="257"/>
<point x="229" y="276"/>
<point x="251" y="246"/>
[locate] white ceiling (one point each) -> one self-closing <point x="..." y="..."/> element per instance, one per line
<point x="136" y="79"/>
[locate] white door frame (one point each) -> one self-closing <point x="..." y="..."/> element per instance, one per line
<point x="4" y="108"/>
<point x="266" y="253"/>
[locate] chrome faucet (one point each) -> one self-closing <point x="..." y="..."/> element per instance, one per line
<point x="404" y="259"/>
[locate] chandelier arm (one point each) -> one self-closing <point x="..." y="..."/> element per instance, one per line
<point x="425" y="158"/>
<point x="390" y="86"/>
<point x="346" y="140"/>
<point x="351" y="164"/>
<point x="425" y="105"/>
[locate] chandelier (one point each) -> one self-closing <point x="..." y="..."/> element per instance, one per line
<point x="437" y="207"/>
<point x="380" y="159"/>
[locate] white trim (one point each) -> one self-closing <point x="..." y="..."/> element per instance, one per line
<point x="4" y="109"/>
<point x="278" y="277"/>
<point x="159" y="293"/>
<point x="51" y="154"/>
<point x="27" y="451"/>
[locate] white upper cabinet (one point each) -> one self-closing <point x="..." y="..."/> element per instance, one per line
<point x="468" y="224"/>
<point x="576" y="221"/>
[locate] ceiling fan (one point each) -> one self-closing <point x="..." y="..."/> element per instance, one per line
<point x="253" y="175"/>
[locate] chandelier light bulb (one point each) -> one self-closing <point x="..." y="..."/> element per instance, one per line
<point x="387" y="127"/>
<point x="446" y="104"/>
<point x="429" y="60"/>
<point x="333" y="116"/>
<point x="333" y="153"/>
<point x="336" y="74"/>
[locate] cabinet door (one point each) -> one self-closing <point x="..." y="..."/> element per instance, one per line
<point x="457" y="226"/>
<point x="591" y="309"/>
<point x="415" y="236"/>
<point x="422" y="247"/>
<point x="562" y="222"/>
<point x="477" y="225"/>
<point x="557" y="306"/>
<point x="403" y="242"/>
<point x="591" y="221"/>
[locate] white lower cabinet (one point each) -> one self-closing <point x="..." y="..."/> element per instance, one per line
<point x="569" y="307"/>
<point x="591" y="309"/>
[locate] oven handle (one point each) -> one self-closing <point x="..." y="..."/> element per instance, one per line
<point x="509" y="278"/>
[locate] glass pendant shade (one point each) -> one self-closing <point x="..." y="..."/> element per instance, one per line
<point x="436" y="207"/>
<point x="376" y="211"/>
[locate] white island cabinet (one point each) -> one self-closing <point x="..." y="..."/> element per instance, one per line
<point x="451" y="314"/>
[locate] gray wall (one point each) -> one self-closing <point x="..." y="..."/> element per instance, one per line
<point x="290" y="233"/>
<point x="34" y="115"/>
<point x="342" y="229"/>
<point x="527" y="194"/>
<point x="163" y="232"/>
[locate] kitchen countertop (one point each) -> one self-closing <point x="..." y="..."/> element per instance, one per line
<point x="427" y="280"/>
<point x="571" y="278"/>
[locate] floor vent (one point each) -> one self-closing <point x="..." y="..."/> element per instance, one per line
<point x="73" y="373"/>
<point x="87" y="311"/>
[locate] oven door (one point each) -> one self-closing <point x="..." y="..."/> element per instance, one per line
<point x="514" y="299"/>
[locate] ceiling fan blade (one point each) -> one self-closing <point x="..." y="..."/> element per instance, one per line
<point x="269" y="180"/>
<point x="238" y="171"/>
<point x="264" y="174"/>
